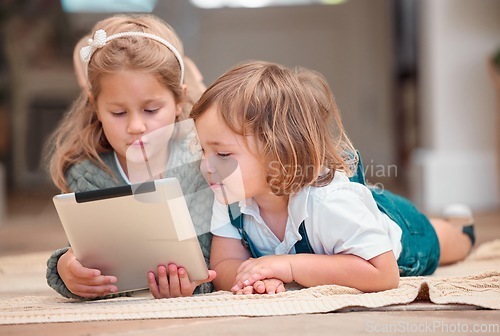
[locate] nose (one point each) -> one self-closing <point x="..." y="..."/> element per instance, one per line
<point x="136" y="124"/>
<point x="208" y="164"/>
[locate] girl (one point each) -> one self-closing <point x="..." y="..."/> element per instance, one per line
<point x="129" y="108"/>
<point x="276" y="152"/>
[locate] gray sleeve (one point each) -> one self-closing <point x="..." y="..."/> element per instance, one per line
<point x="54" y="280"/>
<point x="86" y="176"/>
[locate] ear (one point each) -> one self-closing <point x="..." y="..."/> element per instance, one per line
<point x="180" y="105"/>
<point x="184" y="90"/>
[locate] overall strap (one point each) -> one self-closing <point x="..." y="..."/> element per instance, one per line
<point x="384" y="203"/>
<point x="245" y="239"/>
<point x="302" y="246"/>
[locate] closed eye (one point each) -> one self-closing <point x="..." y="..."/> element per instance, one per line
<point x="151" y="110"/>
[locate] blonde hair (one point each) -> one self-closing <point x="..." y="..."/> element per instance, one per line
<point x="78" y="65"/>
<point x="293" y="116"/>
<point x="195" y="85"/>
<point x="80" y="136"/>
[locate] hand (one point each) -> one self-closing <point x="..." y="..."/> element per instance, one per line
<point x="82" y="281"/>
<point x="174" y="284"/>
<point x="266" y="286"/>
<point x="267" y="267"/>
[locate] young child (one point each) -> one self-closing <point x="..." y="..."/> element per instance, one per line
<point x="278" y="160"/>
<point x="134" y="69"/>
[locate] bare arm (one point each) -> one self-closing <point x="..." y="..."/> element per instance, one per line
<point x="226" y="256"/>
<point x="377" y="274"/>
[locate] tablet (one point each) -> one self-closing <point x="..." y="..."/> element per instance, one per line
<point x="128" y="231"/>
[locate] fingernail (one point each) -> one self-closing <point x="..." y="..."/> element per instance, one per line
<point x="235" y="288"/>
<point x="246" y="282"/>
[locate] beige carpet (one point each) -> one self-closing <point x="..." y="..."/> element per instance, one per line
<point x="472" y="284"/>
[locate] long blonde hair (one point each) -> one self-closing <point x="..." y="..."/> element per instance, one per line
<point x="80" y="136"/>
<point x="293" y="116"/>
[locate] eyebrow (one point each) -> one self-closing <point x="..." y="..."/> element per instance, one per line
<point x="145" y="102"/>
<point x="218" y="143"/>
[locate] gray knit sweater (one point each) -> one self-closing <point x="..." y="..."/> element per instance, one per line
<point x="183" y="164"/>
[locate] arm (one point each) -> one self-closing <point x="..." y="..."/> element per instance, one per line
<point x="377" y="274"/>
<point x="226" y="256"/>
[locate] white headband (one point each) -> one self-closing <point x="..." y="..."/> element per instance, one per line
<point x="100" y="40"/>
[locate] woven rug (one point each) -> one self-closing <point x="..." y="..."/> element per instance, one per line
<point x="471" y="284"/>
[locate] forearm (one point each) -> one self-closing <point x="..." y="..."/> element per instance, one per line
<point x="226" y="273"/>
<point x="344" y="270"/>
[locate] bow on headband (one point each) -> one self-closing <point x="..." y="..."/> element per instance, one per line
<point x="99" y="41"/>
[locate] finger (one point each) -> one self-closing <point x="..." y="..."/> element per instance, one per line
<point x="239" y="292"/>
<point x="248" y="278"/>
<point x="186" y="286"/>
<point x="248" y="290"/>
<point x="79" y="271"/>
<point x="211" y="276"/>
<point x="100" y="280"/>
<point x="271" y="287"/>
<point x="245" y="290"/>
<point x="153" y="286"/>
<point x="93" y="291"/>
<point x="259" y="287"/>
<point x="163" y="282"/>
<point x="239" y="279"/>
<point x="281" y="288"/>
<point x="173" y="278"/>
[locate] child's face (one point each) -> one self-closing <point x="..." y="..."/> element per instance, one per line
<point x="233" y="172"/>
<point x="136" y="110"/>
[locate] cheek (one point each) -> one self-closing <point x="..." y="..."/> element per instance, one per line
<point x="109" y="130"/>
<point x="227" y="168"/>
<point x="204" y="169"/>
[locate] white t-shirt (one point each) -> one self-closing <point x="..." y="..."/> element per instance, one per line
<point x="340" y="218"/>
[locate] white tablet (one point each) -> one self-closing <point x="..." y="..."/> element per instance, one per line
<point x="128" y="231"/>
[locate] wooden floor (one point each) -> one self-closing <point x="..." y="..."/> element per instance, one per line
<point x="32" y="226"/>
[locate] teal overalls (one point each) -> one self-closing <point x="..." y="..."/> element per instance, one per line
<point x="420" y="246"/>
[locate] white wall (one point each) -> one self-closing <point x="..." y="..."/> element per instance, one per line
<point x="457" y="162"/>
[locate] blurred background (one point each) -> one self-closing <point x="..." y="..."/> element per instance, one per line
<point x="415" y="81"/>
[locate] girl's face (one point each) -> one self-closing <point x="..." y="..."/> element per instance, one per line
<point x="233" y="172"/>
<point x="137" y="113"/>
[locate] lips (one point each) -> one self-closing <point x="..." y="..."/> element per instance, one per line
<point x="215" y="185"/>
<point x="138" y="143"/>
